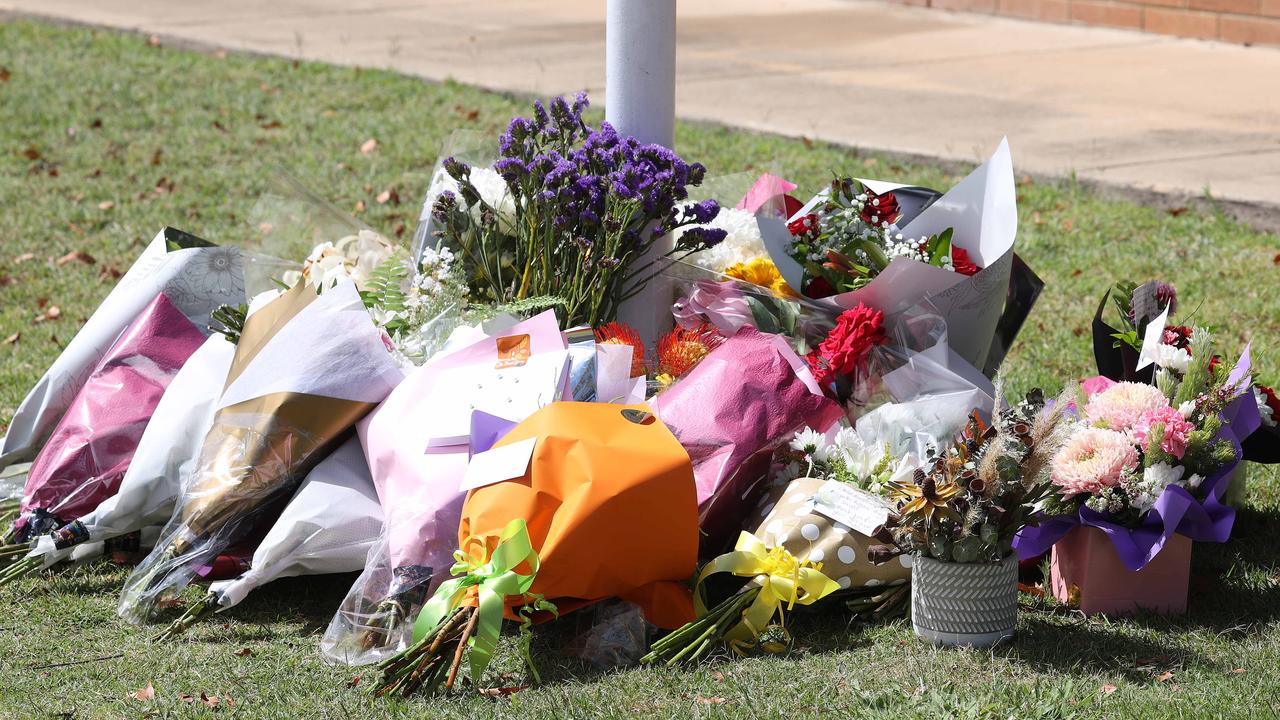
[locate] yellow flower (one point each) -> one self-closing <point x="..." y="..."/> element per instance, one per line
<point x="761" y="271"/>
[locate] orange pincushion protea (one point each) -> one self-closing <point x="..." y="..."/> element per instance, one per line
<point x="617" y="333"/>
<point x="682" y="348"/>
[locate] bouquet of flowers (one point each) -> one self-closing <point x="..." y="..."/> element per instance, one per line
<point x="418" y="444"/>
<point x="1146" y="461"/>
<point x="577" y="216"/>
<point x="307" y="366"/>
<point x="328" y="527"/>
<point x="1146" y="340"/>
<point x="893" y="247"/>
<point x="193" y="274"/>
<point x="164" y="457"/>
<point x="730" y="412"/>
<point x="578" y="503"/>
<point x="91" y="447"/>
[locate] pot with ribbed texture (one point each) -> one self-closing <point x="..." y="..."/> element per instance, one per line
<point x="958" y="604"/>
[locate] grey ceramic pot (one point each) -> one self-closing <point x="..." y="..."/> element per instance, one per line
<point x="973" y="604"/>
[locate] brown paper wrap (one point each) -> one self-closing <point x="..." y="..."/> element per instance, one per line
<point x="786" y="518"/>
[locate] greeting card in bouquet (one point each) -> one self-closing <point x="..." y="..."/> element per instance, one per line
<point x="307" y="367"/>
<point x="196" y="277"/>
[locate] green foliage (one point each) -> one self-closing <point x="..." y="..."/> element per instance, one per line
<point x="229" y="320"/>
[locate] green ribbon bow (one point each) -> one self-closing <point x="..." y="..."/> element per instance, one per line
<point x="493" y="579"/>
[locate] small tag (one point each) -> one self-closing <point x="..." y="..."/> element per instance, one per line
<point x="498" y="464"/>
<point x="1152" y="338"/>
<point x="850" y="506"/>
<point x="513" y="351"/>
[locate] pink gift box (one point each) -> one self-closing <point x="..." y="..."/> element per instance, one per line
<point x="1085" y="562"/>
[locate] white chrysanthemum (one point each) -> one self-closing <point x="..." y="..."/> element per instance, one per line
<point x="1269" y="418"/>
<point x="1172" y="358"/>
<point x="742" y="244"/>
<point x="1187" y="408"/>
<point x="1153" y="483"/>
<point x="859" y="456"/>
<point x="808" y="441"/>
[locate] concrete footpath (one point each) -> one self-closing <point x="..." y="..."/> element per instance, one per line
<point x="1140" y="111"/>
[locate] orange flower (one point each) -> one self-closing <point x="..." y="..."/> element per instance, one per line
<point x="761" y="271"/>
<point x="616" y="333"/>
<point x="682" y="348"/>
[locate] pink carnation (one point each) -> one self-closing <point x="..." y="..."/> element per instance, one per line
<point x="1122" y="405"/>
<point x="1093" y="459"/>
<point x="1176" y="429"/>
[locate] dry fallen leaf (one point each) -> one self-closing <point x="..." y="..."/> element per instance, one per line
<point x="1164" y="676"/>
<point x="13" y="338"/>
<point x="153" y="41"/>
<point x="31" y="153"/>
<point x="353" y="682"/>
<point x="1176" y="211"/>
<point x="6" y="280"/>
<point x="186" y="698"/>
<point x="108" y="273"/>
<point x="209" y="700"/>
<point x="712" y="700"/>
<point x="501" y="691"/>
<point x="76" y="256"/>
<point x="398" y="229"/>
<point x="5" y="74"/>
<point x="23" y="258"/>
<point x="53" y="312"/>
<point x="368" y="147"/>
<point x="164" y="186"/>
<point x="1238" y="671"/>
<point x="359" y="206"/>
<point x="143" y="694"/>
<point x="243" y="652"/>
<point x="388" y="196"/>
<point x="1108" y="689"/>
<point x="106" y="205"/>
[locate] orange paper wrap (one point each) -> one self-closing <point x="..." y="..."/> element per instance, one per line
<point x="610" y="506"/>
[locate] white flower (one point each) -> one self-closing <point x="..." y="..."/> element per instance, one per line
<point x="808" y="441"/>
<point x="743" y="243"/>
<point x="1269" y="418"/>
<point x="1187" y="408"/>
<point x="859" y="456"/>
<point x="1194" y="481"/>
<point x="1154" y="480"/>
<point x="492" y="188"/>
<point x="1172" y="358"/>
<point x="354" y="256"/>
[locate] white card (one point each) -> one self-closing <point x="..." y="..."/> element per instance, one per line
<point x="850" y="506"/>
<point x="1152" y="338"/>
<point x="497" y="464"/>
<point x="507" y="392"/>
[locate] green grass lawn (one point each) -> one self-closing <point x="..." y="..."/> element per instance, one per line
<point x="92" y="123"/>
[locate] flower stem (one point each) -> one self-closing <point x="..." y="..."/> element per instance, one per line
<point x="19" y="569"/>
<point x="201" y="608"/>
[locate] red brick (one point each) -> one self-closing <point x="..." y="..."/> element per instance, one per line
<point x="983" y="6"/>
<point x="1245" y="7"/>
<point x="1162" y="3"/>
<point x="1183" y="23"/>
<point x="1251" y="31"/>
<point x="1270" y="8"/>
<point x="1020" y="8"/>
<point x="1109" y="14"/>
<point x="1056" y="10"/>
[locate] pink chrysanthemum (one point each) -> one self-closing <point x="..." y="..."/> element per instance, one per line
<point x="1176" y="428"/>
<point x="1122" y="405"/>
<point x="1093" y="459"/>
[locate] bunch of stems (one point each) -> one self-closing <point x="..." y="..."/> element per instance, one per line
<point x="20" y="568"/>
<point x="876" y="604"/>
<point x="428" y="663"/>
<point x="203" y="607"/>
<point x="389" y="613"/>
<point x="696" y="639"/>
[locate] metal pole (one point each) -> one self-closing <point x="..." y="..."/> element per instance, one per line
<point x="640" y="100"/>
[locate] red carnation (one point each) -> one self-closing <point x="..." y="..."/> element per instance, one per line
<point x="1214" y="362"/>
<point x="880" y="208"/>
<point x="845" y="348"/>
<point x="819" y="288"/>
<point x="961" y="262"/>
<point x="1178" y="336"/>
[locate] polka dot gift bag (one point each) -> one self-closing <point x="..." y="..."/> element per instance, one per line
<point x="813" y="540"/>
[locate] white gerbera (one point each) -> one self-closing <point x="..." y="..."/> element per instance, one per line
<point x="808" y="441"/>
<point x="859" y="456"/>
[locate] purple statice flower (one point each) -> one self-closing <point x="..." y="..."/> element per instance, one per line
<point x="698" y="238"/>
<point x="702" y="213"/>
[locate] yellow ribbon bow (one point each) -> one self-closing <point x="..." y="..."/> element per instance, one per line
<point x="783" y="579"/>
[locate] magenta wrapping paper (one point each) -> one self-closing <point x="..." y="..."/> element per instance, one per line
<point x="91" y="446"/>
<point x="747" y="397"/>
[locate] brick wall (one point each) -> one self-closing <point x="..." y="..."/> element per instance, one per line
<point x="1249" y="22"/>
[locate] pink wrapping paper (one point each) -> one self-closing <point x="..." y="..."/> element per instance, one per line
<point x="731" y="412"/>
<point x="92" y="445"/>
<point x="418" y="485"/>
